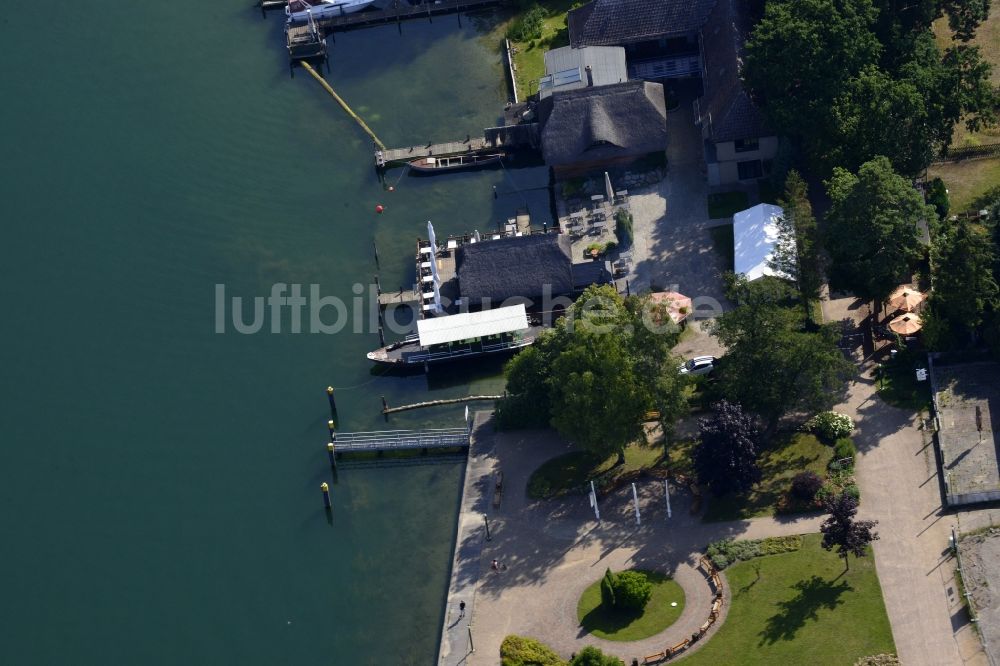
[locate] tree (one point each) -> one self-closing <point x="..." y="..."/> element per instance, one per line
<point x="964" y="284"/>
<point x="843" y="532"/>
<point x="725" y="457"/>
<point x="879" y="114"/>
<point x="796" y="253"/>
<point x="591" y="656"/>
<point x="773" y="365"/>
<point x="800" y="55"/>
<point x="805" y="485"/>
<point x="872" y="228"/>
<point x="608" y="589"/>
<point x="632" y="590"/>
<point x="597" y="373"/>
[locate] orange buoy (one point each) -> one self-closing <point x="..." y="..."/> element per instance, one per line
<point x="379" y="208"/>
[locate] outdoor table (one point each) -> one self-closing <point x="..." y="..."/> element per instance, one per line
<point x="427" y="278"/>
<point x="427" y="250"/>
<point x="597" y="198"/>
<point x="452" y="244"/>
<point x="425" y="264"/>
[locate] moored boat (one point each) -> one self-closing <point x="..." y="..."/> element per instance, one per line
<point x="460" y="337"/>
<point x="454" y="162"/>
<point x="300" y="11"/>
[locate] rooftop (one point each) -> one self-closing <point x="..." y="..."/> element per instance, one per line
<point x="468" y="325"/>
<point x="618" y="22"/>
<point x="603" y="122"/>
<point x="566" y="68"/>
<point x="514" y="267"/>
<point x="755" y="231"/>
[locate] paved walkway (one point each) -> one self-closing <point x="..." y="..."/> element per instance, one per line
<point x="898" y="477"/>
<point x="553" y="550"/>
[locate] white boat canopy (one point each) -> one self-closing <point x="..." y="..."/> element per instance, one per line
<point x="755" y="232"/>
<point x="468" y="325"/>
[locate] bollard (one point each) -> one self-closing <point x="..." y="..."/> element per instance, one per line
<point x="333" y="402"/>
<point x="381" y="336"/>
<point x="385" y="405"/>
<point x="330" y="450"/>
<point x="375" y="246"/>
<point x="325" y="487"/>
<point x="332" y="427"/>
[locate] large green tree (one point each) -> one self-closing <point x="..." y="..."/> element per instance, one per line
<point x="774" y="365"/>
<point x="851" y="79"/>
<point x="597" y="373"/>
<point x="872" y="228"/>
<point x="965" y="286"/>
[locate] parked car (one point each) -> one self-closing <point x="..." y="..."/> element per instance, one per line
<point x="699" y="365"/>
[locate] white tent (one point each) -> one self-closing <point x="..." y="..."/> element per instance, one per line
<point x="470" y="325"/>
<point x="755" y="232"/>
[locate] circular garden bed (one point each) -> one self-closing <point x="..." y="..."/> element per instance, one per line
<point x="615" y="624"/>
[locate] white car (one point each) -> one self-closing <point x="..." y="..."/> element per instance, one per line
<point x="699" y="365"/>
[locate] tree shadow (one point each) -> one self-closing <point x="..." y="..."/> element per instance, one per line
<point x="607" y="621"/>
<point x="813" y="595"/>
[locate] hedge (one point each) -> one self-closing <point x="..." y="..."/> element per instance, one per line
<point x="728" y="551"/>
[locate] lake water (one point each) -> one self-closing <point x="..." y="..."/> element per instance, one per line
<point x="159" y="481"/>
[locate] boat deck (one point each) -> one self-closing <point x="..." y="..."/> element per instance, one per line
<point x="411" y="353"/>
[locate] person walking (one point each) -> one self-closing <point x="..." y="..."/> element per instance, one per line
<point x="461" y="610"/>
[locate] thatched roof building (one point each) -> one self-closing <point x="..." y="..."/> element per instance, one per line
<point x="600" y="125"/>
<point x="616" y="22"/>
<point x="521" y="267"/>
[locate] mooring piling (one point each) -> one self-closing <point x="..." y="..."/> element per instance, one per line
<point x="385" y="405"/>
<point x="325" y="487"/>
<point x="333" y="402"/>
<point x="375" y="246"/>
<point x="332" y="427"/>
<point x="381" y="337"/>
<point x="331" y="450"/>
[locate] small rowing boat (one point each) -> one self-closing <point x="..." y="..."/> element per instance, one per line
<point x="454" y="162"/>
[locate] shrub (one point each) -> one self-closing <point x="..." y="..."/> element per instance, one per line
<point x="853" y="490"/>
<point x="632" y="590"/>
<point x="608" y="589"/>
<point x="524" y="651"/>
<point x="529" y="25"/>
<point x="878" y="660"/>
<point x="805" y="485"/>
<point x="844" y="448"/>
<point x="937" y="196"/>
<point x="591" y="656"/>
<point x="830" y="426"/>
<point x="726" y="552"/>
<point x="623" y="227"/>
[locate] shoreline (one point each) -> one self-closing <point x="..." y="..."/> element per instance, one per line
<point x="457" y="640"/>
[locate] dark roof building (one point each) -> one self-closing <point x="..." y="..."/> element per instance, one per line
<point x="620" y="22"/>
<point x="726" y="109"/>
<point x="521" y="267"/>
<point x="602" y="124"/>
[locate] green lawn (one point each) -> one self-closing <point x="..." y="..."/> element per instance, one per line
<point x="726" y="204"/>
<point x="782" y="460"/>
<point x="899" y="386"/>
<point x="800" y="608"/>
<point x="572" y="470"/>
<point x="528" y="58"/>
<point x="618" y="626"/>
<point x="725" y="244"/>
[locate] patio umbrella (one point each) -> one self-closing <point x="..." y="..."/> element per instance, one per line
<point x="906" y="298"/>
<point x="906" y="324"/>
<point x="608" y="190"/>
<point x="675" y="302"/>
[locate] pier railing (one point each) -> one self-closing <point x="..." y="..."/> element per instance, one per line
<point x="401" y="440"/>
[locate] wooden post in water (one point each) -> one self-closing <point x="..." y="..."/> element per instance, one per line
<point x="381" y="337"/>
<point x="325" y="487"/>
<point x="376" y="253"/>
<point x="332" y="427"/>
<point x="333" y="402"/>
<point x="385" y="405"/>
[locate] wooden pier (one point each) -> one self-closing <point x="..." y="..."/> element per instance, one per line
<point x="398" y="11"/>
<point x="401" y="440"/>
<point x="403" y="297"/>
<point x="398" y="155"/>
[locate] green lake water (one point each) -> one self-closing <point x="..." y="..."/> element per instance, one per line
<point x="159" y="481"/>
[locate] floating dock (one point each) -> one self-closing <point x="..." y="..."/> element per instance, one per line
<point x="505" y="138"/>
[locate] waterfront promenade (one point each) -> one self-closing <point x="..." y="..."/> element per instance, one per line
<point x="553" y="550"/>
<point x="466" y="568"/>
